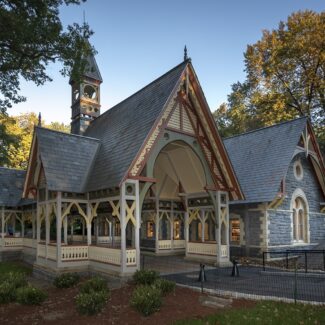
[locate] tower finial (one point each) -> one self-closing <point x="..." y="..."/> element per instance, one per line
<point x="185" y="53"/>
<point x="39" y="119"/>
<point x="84" y="24"/>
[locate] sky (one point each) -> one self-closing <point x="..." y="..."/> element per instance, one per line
<point x="139" y="40"/>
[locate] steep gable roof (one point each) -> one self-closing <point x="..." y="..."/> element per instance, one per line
<point x="261" y="158"/>
<point x="123" y="129"/>
<point x="11" y="187"/>
<point x="66" y="159"/>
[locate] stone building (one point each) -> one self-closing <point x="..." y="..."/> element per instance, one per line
<point x="281" y="172"/>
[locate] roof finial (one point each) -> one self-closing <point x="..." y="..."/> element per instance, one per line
<point x="185" y="53"/>
<point x="84" y="24"/>
<point x="39" y="119"/>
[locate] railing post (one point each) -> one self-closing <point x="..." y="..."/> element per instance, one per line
<point x="306" y="269"/>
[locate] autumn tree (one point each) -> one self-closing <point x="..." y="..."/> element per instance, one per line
<point x="17" y="134"/>
<point x="32" y="37"/>
<point x="285" y="77"/>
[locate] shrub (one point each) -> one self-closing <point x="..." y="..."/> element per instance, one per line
<point x="7" y="292"/>
<point x="30" y="296"/>
<point x="96" y="284"/>
<point x="66" y="280"/>
<point x="9" y="283"/>
<point x="145" y="277"/>
<point x="91" y="303"/>
<point x="146" y="299"/>
<point x="165" y="286"/>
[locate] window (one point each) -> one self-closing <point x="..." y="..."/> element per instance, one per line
<point x="299" y="220"/>
<point x="298" y="170"/>
<point x="177" y="229"/>
<point x="150" y="229"/>
<point x="235" y="230"/>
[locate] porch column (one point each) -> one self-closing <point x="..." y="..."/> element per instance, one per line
<point x="113" y="232"/>
<point x="218" y="219"/>
<point x="88" y="224"/>
<point x="137" y="226"/>
<point x="202" y="220"/>
<point x="38" y="223"/>
<point x="157" y="226"/>
<point x="123" y="228"/>
<point x="22" y="225"/>
<point x="65" y="230"/>
<point x="71" y="231"/>
<point x="58" y="227"/>
<point x="3" y="226"/>
<point x="47" y="229"/>
<point x="186" y="230"/>
<point x="96" y="229"/>
<point x="172" y="227"/>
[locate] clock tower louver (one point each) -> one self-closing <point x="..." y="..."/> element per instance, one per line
<point x="85" y="97"/>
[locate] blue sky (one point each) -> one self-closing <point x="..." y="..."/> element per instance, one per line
<point x="139" y="40"/>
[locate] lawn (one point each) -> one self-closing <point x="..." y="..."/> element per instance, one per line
<point x="6" y="267"/>
<point x="266" y="313"/>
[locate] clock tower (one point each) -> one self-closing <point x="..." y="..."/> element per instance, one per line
<point x="85" y="97"/>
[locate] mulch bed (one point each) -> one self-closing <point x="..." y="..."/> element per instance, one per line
<point x="59" y="308"/>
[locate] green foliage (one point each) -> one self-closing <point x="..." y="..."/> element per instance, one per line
<point x="146" y="299"/>
<point x="266" y="313"/>
<point x="284" y="78"/>
<point x="30" y="295"/>
<point x="16" y="134"/>
<point x="165" y="286"/>
<point x="145" y="277"/>
<point x="32" y="37"/>
<point x="95" y="284"/>
<point x="66" y="280"/>
<point x="91" y="303"/>
<point x="9" y="283"/>
<point x="93" y="296"/>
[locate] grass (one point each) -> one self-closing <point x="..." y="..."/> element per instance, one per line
<point x="6" y="267"/>
<point x="266" y="313"/>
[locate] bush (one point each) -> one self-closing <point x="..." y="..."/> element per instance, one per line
<point x="30" y="296"/>
<point x="96" y="284"/>
<point x="9" y="283"/>
<point x="146" y="299"/>
<point x="91" y="303"/>
<point x="165" y="286"/>
<point x="7" y="292"/>
<point x="66" y="280"/>
<point x="145" y="277"/>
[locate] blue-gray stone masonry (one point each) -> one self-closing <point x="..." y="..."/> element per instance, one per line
<point x="280" y="229"/>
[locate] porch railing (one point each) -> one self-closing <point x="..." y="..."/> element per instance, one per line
<point x="202" y="248"/>
<point x="105" y="255"/>
<point x="179" y="243"/>
<point x="164" y="244"/>
<point x="224" y="251"/>
<point x="131" y="257"/>
<point x="74" y="253"/>
<point x="12" y="242"/>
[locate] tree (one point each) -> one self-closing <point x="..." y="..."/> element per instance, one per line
<point x="31" y="37"/>
<point x="285" y="77"/>
<point x="18" y="137"/>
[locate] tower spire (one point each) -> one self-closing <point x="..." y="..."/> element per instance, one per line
<point x="185" y="53"/>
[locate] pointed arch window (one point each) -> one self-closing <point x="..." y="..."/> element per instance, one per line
<point x="299" y="220"/>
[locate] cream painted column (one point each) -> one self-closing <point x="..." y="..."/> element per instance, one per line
<point x="123" y="227"/>
<point x="218" y="219"/>
<point x="3" y="226"/>
<point x="22" y="225"/>
<point x="58" y="227"/>
<point x="88" y="224"/>
<point x="172" y="227"/>
<point x="137" y="226"/>
<point x="186" y="230"/>
<point x="157" y="226"/>
<point x="65" y="230"/>
<point x="202" y="220"/>
<point x="83" y="228"/>
<point x="33" y="224"/>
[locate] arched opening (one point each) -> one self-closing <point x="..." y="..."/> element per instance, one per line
<point x="179" y="192"/>
<point x="299" y="208"/>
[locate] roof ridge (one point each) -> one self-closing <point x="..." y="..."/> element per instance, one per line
<point x="65" y="133"/>
<point x="138" y="91"/>
<point x="266" y="127"/>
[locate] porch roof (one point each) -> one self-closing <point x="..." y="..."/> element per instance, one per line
<point x="11" y="187"/>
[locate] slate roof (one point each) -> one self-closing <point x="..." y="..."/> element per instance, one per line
<point x="66" y="158"/>
<point x="261" y="158"/>
<point x="92" y="70"/>
<point x="11" y="187"/>
<point x="123" y="129"/>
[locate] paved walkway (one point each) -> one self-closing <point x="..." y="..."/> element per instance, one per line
<point x="251" y="280"/>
